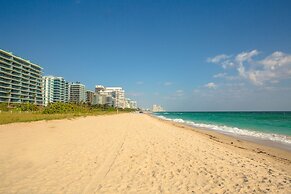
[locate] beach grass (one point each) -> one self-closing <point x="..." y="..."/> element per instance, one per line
<point x="27" y="112"/>
<point x="13" y="117"/>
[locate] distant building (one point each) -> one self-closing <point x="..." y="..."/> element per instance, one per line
<point x="55" y="89"/>
<point x="110" y="96"/>
<point x="102" y="97"/>
<point x="130" y="103"/>
<point x="107" y="98"/>
<point x="133" y="104"/>
<point x="77" y="93"/>
<point x="99" y="88"/>
<point x="113" y="96"/>
<point x="20" y="80"/>
<point x="157" y="108"/>
<point x="89" y="96"/>
<point x="118" y="96"/>
<point x="98" y="99"/>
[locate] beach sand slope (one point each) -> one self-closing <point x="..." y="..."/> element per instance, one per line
<point x="133" y="153"/>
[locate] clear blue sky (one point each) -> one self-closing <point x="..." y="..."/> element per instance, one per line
<point x="184" y="55"/>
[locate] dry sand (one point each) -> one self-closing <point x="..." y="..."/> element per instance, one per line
<point x="134" y="153"/>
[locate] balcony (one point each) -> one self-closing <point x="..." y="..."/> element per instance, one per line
<point x="5" y="65"/>
<point x="8" y="61"/>
<point x="5" y="81"/>
<point x="5" y="55"/>
<point x="16" y="65"/>
<point x="6" y="70"/>
<point x="16" y="87"/>
<point x="16" y="78"/>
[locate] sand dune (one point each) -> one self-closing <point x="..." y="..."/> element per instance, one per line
<point x="134" y="153"/>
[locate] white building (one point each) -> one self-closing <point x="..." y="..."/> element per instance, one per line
<point x="99" y="88"/>
<point x="111" y="96"/>
<point x="133" y="104"/>
<point x="55" y="89"/>
<point x="157" y="108"/>
<point x="106" y="98"/>
<point x="118" y="96"/>
<point x="130" y="103"/>
<point x="77" y="93"/>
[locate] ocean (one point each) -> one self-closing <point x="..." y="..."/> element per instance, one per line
<point x="272" y="126"/>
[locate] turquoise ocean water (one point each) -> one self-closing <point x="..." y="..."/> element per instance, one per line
<point x="274" y="126"/>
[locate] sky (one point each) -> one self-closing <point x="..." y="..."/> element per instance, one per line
<point x="208" y="55"/>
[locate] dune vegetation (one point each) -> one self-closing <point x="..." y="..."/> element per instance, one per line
<point x="27" y="112"/>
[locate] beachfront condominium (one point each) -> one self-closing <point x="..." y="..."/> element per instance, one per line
<point x="157" y="108"/>
<point x="111" y="96"/>
<point x="114" y="96"/>
<point x="91" y="97"/>
<point x="55" y="89"/>
<point x="118" y="94"/>
<point x="77" y="93"/>
<point x="130" y="103"/>
<point x="20" y="80"/>
<point x="103" y="96"/>
<point x="99" y="88"/>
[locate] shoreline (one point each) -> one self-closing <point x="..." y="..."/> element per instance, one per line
<point x="275" y="152"/>
<point x="248" y="138"/>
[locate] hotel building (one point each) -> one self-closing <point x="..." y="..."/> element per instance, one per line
<point x="56" y="89"/>
<point x="91" y="97"/>
<point x="77" y="93"/>
<point x="130" y="103"/>
<point x="111" y="96"/>
<point x="20" y="80"/>
<point x="157" y="108"/>
<point x="118" y="95"/>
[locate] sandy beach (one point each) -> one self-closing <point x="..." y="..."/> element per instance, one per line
<point x="134" y="153"/>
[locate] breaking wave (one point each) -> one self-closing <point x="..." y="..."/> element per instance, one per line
<point x="233" y="130"/>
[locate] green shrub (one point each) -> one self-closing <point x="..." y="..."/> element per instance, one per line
<point x="4" y="106"/>
<point x="59" y="108"/>
<point x="27" y="107"/>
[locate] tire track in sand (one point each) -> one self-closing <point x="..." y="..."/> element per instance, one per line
<point x="106" y="166"/>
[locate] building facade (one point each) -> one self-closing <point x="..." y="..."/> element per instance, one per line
<point x="114" y="96"/>
<point x="130" y="103"/>
<point x="77" y="93"/>
<point x="99" y="88"/>
<point x="20" y="80"/>
<point x="55" y="89"/>
<point x="104" y="97"/>
<point x="157" y="108"/>
<point x="118" y="96"/>
<point x="90" y="95"/>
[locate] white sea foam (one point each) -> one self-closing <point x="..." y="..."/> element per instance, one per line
<point x="234" y="130"/>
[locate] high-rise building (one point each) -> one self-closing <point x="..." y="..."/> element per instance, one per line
<point x="113" y="96"/>
<point x="77" y="93"/>
<point x="157" y="108"/>
<point x="55" y="89"/>
<point x="90" y="95"/>
<point x="99" y="88"/>
<point x="118" y="95"/>
<point x="20" y="80"/>
<point x="105" y="97"/>
<point x="133" y="104"/>
<point x="130" y="103"/>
